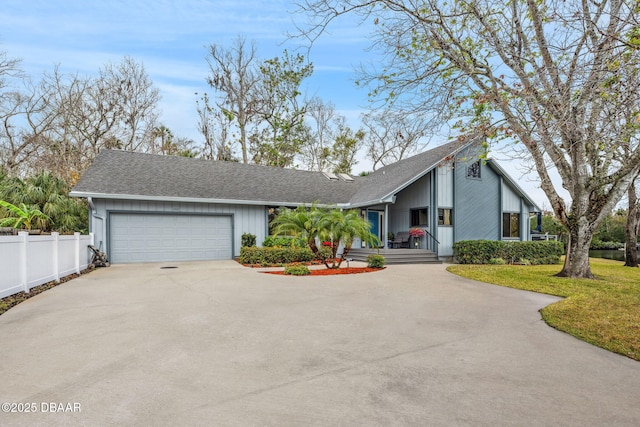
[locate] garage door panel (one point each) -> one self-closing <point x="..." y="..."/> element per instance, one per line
<point x="169" y="237"/>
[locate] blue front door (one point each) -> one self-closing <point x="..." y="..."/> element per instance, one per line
<point x="374" y="219"/>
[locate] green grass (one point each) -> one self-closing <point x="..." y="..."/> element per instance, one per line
<point x="604" y="312"/>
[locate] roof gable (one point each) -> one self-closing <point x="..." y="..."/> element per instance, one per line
<point x="389" y="180"/>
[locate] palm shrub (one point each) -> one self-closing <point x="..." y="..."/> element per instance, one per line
<point x="50" y="195"/>
<point x="335" y="226"/>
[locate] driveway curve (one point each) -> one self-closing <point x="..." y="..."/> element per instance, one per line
<point x="214" y="343"/>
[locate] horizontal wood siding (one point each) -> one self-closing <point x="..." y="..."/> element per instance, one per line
<point x="477" y="214"/>
<point x="246" y="218"/>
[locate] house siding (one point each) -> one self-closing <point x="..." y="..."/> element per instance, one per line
<point x="477" y="208"/>
<point x="416" y="195"/>
<point x="510" y="200"/>
<point x="246" y="218"/>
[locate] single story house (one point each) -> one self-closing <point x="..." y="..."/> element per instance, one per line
<point x="154" y="208"/>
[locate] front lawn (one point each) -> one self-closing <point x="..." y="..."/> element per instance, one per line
<point x="604" y="312"/>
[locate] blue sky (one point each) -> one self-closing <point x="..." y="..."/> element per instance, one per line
<point x="170" y="38"/>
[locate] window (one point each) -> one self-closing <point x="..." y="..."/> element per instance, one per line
<point x="272" y="213"/>
<point x="510" y="225"/>
<point x="445" y="216"/>
<point x="420" y="217"/>
<point x="473" y="170"/>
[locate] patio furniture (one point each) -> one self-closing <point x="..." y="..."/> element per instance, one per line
<point x="401" y="239"/>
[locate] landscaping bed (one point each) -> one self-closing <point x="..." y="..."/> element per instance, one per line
<point x="333" y="271"/>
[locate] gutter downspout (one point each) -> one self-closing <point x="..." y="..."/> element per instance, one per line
<point x="94" y="213"/>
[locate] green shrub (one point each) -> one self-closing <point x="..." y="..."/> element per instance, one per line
<point x="325" y="251"/>
<point x="273" y="241"/>
<point x="297" y="270"/>
<point x="600" y="245"/>
<point x="497" y="261"/>
<point x="376" y="261"/>
<point x="267" y="256"/>
<point x="248" y="240"/>
<point x="483" y="251"/>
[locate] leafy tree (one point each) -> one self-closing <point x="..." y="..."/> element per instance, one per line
<point x="550" y="225"/>
<point x="558" y="77"/>
<point x="23" y="216"/>
<point x="345" y="147"/>
<point x="279" y="107"/>
<point x="612" y="227"/>
<point x="50" y="195"/>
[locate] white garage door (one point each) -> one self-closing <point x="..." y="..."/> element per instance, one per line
<point x="166" y="237"/>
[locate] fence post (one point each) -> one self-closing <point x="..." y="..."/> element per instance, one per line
<point x="24" y="273"/>
<point x="76" y="235"/>
<point x="56" y="256"/>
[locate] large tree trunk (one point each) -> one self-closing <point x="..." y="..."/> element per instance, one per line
<point x="576" y="263"/>
<point x="631" y="231"/>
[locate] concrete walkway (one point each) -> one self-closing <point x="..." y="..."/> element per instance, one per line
<point x="214" y="343"/>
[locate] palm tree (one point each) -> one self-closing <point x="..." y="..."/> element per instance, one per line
<point x="341" y="228"/>
<point x="336" y="226"/>
<point x="301" y="222"/>
<point x="49" y="194"/>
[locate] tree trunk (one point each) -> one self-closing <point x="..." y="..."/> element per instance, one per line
<point x="631" y="229"/>
<point x="576" y="263"/>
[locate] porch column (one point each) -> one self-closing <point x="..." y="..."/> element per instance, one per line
<point x="385" y="230"/>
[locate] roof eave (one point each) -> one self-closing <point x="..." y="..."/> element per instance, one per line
<point x="196" y="199"/>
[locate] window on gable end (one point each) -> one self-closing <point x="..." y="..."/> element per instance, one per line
<point x="474" y="171"/>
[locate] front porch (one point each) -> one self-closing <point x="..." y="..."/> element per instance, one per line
<point x="396" y="256"/>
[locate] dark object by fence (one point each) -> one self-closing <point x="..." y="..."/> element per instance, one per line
<point x="99" y="258"/>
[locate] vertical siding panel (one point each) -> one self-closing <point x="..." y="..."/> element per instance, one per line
<point x="416" y="195"/>
<point x="445" y="185"/>
<point x="477" y="208"/>
<point x="510" y="200"/>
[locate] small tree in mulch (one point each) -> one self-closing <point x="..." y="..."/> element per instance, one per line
<point x="335" y="226"/>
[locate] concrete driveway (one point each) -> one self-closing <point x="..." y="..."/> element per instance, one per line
<point x="214" y="343"/>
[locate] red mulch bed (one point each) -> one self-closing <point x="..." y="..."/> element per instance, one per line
<point x="333" y="272"/>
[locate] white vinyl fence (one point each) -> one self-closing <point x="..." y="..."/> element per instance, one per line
<point x="27" y="261"/>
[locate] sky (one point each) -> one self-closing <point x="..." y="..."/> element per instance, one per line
<point x="170" y="38"/>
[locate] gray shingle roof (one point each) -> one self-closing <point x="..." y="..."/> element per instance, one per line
<point x="137" y="174"/>
<point x="386" y="181"/>
<point x="120" y="173"/>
